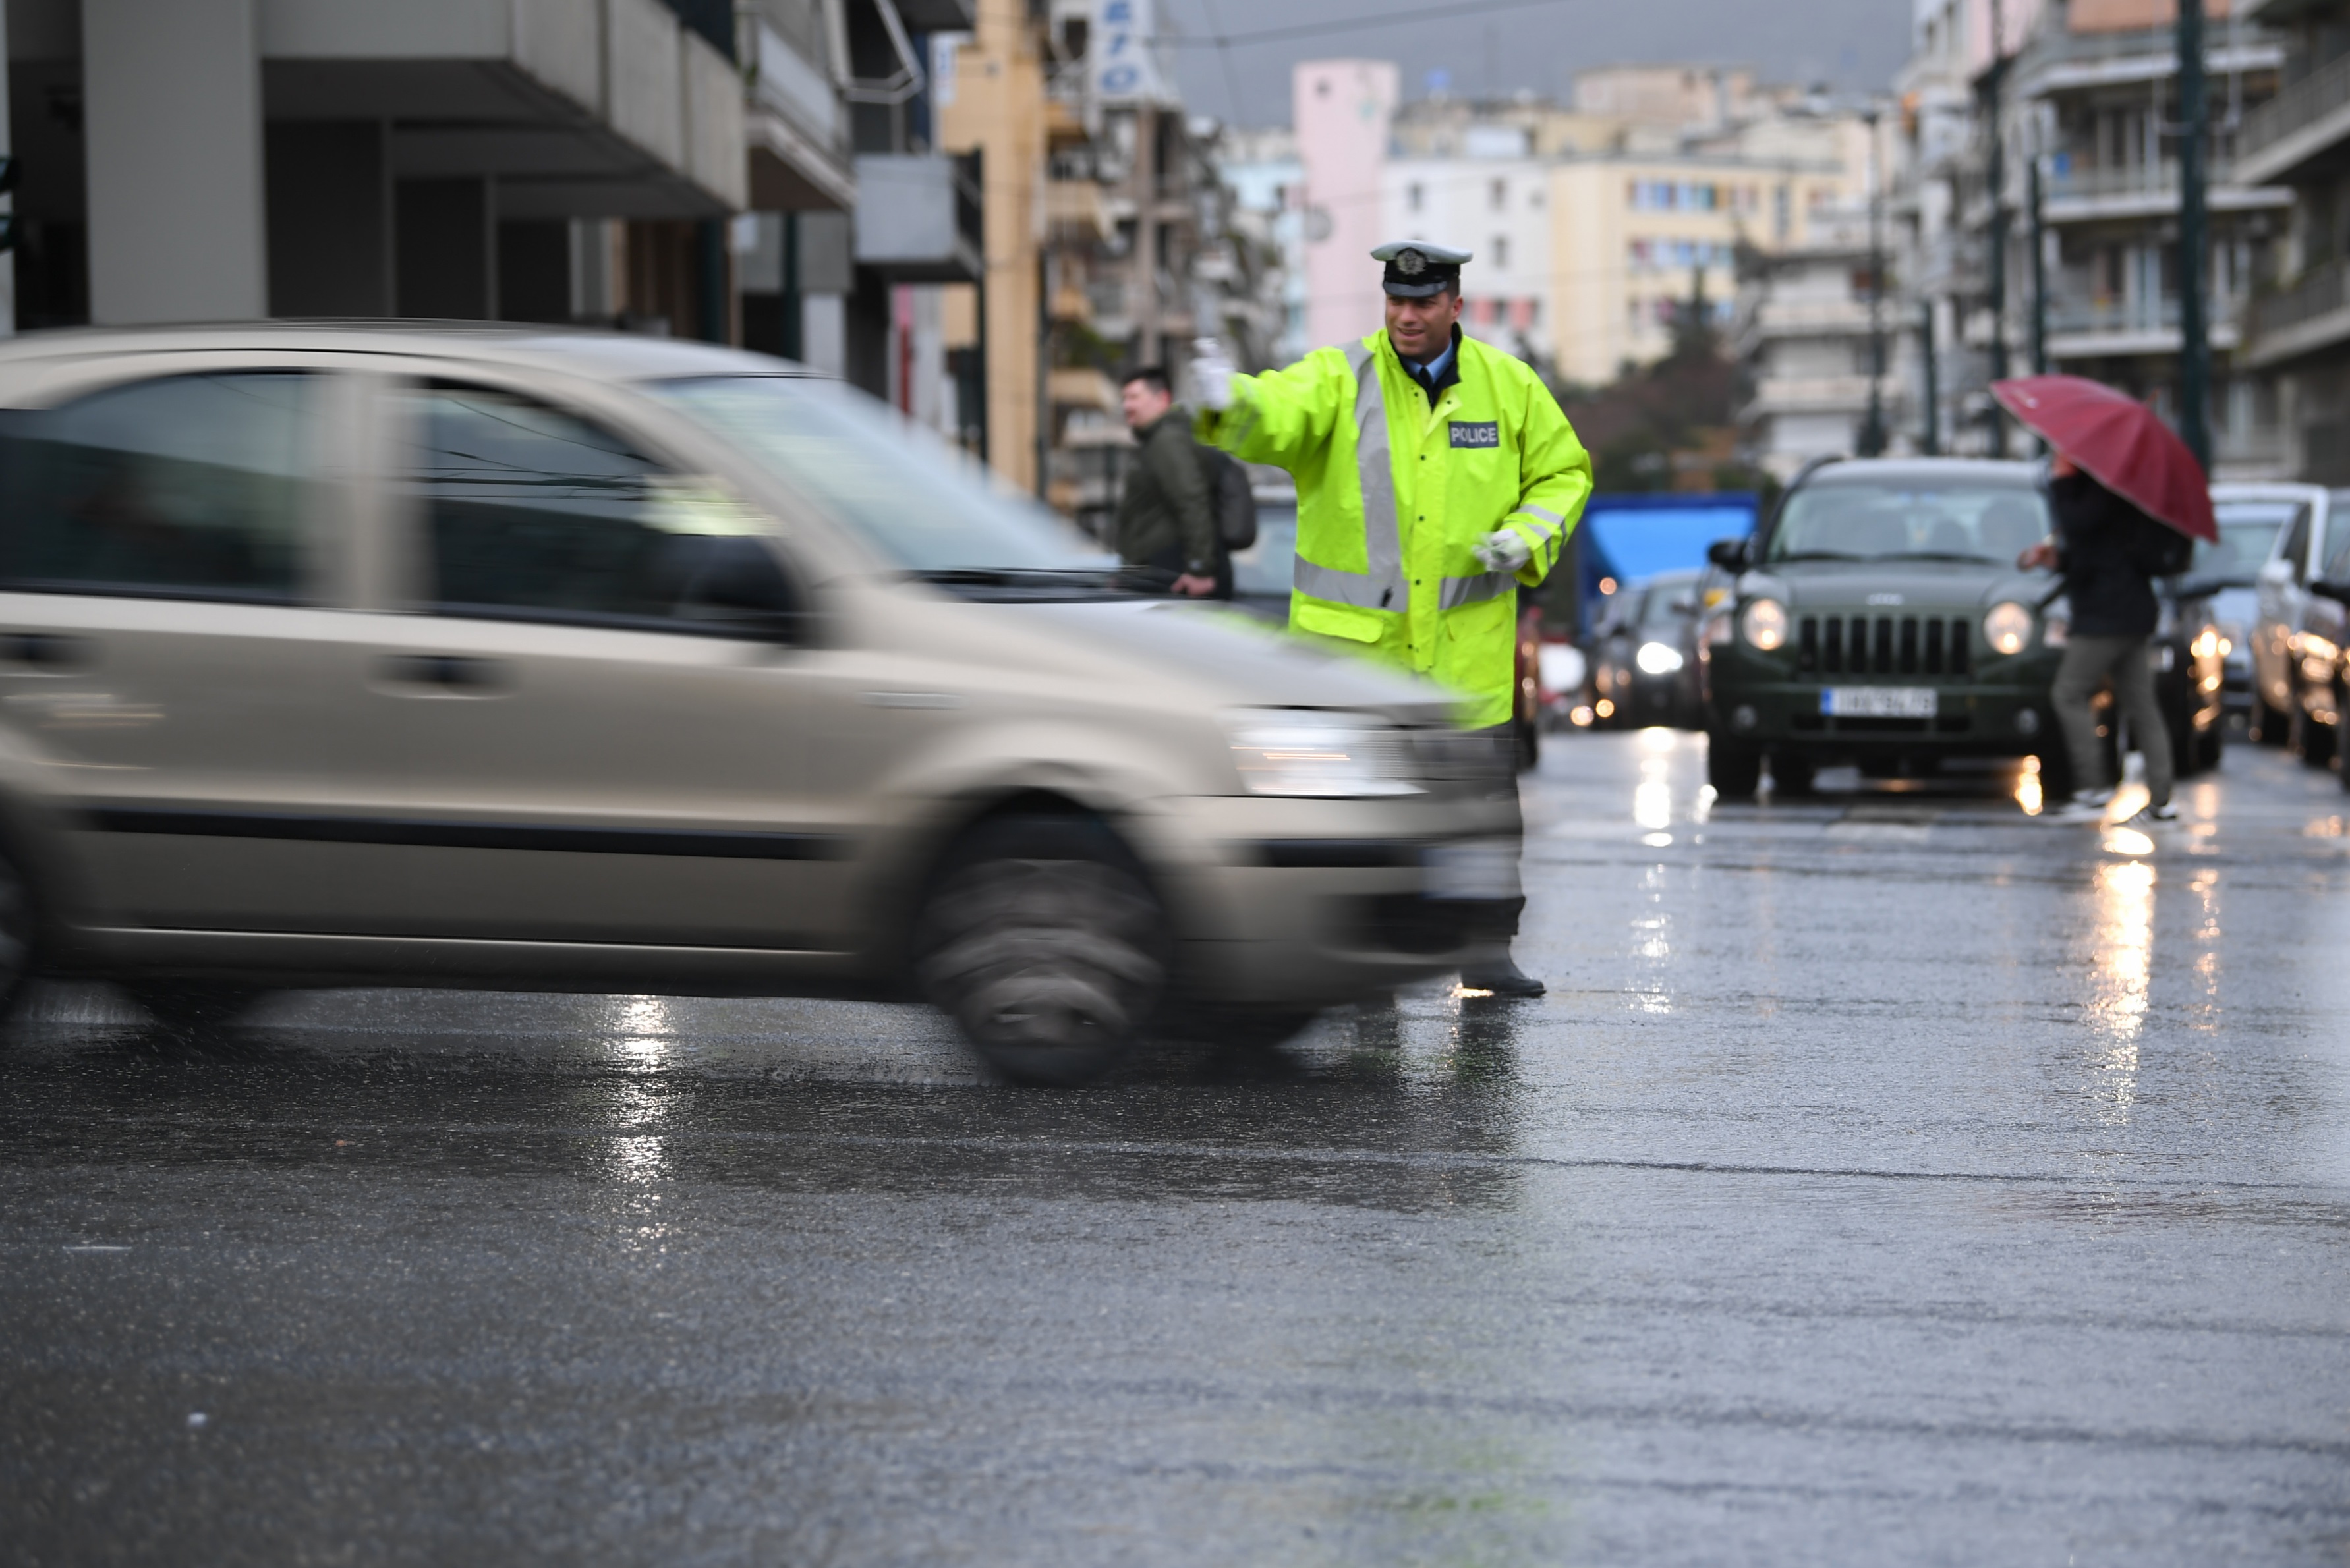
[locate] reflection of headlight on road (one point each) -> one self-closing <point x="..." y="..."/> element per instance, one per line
<point x="1658" y="659"/>
<point x="1309" y="751"/>
<point x="1764" y="623"/>
<point x="2008" y="628"/>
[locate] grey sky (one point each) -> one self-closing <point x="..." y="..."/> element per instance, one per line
<point x="1848" y="43"/>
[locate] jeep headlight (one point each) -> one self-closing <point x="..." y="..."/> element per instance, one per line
<point x="1764" y="623"/>
<point x="2008" y="628"/>
<point x="1316" y="752"/>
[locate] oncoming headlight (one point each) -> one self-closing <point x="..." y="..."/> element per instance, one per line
<point x="1764" y="622"/>
<point x="2008" y="628"/>
<point x="1658" y="659"/>
<point x="1316" y="753"/>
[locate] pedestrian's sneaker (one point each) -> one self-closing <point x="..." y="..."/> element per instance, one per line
<point x="1502" y="977"/>
<point x="2153" y="816"/>
<point x="2087" y="805"/>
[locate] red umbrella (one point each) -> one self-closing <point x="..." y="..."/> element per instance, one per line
<point x="2120" y="442"/>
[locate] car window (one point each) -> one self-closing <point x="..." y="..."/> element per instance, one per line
<point x="2247" y="532"/>
<point x="895" y="484"/>
<point x="2337" y="563"/>
<point x="530" y="511"/>
<point x="188" y="486"/>
<point x="1266" y="567"/>
<point x="1892" y="518"/>
<point x="2296" y="544"/>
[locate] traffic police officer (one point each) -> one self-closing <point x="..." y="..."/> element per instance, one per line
<point x="1435" y="476"/>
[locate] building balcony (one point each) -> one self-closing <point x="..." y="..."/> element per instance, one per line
<point x="1075" y="211"/>
<point x="2090" y="195"/>
<point x="2309" y="316"/>
<point x="798" y="130"/>
<point x="1813" y="395"/>
<point x="2060" y="60"/>
<point x="918" y="217"/>
<point x="2299" y="131"/>
<point x="2119" y="328"/>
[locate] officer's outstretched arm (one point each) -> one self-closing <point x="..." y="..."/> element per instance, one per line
<point x="1553" y="481"/>
<point x="1283" y="416"/>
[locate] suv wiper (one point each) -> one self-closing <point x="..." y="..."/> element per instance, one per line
<point x="1027" y="582"/>
<point x="1942" y="555"/>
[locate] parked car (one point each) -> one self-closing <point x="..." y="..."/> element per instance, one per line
<point x="2321" y="653"/>
<point x="2304" y="540"/>
<point x="519" y="658"/>
<point x="2253" y="519"/>
<point x="1644" y="659"/>
<point x="1878" y="618"/>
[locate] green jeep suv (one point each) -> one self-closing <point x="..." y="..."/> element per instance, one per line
<point x="1879" y="619"/>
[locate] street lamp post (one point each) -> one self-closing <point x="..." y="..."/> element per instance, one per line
<point x="1996" y="177"/>
<point x="2194" y="334"/>
<point x="2039" y="272"/>
<point x="1872" y="430"/>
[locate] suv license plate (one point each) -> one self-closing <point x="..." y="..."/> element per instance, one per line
<point x="1480" y="868"/>
<point x="1878" y="701"/>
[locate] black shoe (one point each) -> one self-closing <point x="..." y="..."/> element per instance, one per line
<point x="1500" y="979"/>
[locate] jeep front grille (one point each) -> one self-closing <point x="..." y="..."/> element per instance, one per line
<point x="1883" y="644"/>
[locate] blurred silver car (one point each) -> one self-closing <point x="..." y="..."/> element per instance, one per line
<point x="523" y="659"/>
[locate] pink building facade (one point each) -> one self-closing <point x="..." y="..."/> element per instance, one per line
<point x="1342" y="110"/>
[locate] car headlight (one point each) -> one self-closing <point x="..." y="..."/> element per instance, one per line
<point x="1316" y="752"/>
<point x="1764" y="622"/>
<point x="1658" y="659"/>
<point x="2008" y="628"/>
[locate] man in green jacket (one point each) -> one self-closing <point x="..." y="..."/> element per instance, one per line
<point x="1166" y="516"/>
<point x="1436" y="476"/>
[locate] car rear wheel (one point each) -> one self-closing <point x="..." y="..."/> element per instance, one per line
<point x="1734" y="768"/>
<point x="1042" y="940"/>
<point x="18" y="927"/>
<point x="2312" y="741"/>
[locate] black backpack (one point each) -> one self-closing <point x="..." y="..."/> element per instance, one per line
<point x="1229" y="494"/>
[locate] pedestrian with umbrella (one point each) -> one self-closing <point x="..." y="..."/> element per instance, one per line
<point x="2128" y="498"/>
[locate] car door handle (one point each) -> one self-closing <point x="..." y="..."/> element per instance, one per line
<point x="450" y="672"/>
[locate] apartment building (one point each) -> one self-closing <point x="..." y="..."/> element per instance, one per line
<point x="1808" y="332"/>
<point x="1594" y="230"/>
<point x="2088" y="201"/>
<point x="2295" y="337"/>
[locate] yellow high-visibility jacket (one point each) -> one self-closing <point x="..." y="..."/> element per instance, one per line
<point x="1393" y="495"/>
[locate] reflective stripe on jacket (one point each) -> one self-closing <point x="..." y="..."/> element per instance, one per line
<point x="1393" y="496"/>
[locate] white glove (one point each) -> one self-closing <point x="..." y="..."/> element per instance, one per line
<point x="1502" y="551"/>
<point x="1212" y="373"/>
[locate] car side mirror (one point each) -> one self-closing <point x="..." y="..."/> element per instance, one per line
<point x="1730" y="554"/>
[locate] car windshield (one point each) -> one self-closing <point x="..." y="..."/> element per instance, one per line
<point x="906" y="493"/>
<point x="2248" y="531"/>
<point x="1265" y="568"/>
<point x="1921" y="519"/>
<point x="1666" y="605"/>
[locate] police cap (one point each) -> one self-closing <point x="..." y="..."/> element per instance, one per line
<point x="1416" y="269"/>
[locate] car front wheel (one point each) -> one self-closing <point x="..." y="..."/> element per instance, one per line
<point x="1734" y="768"/>
<point x="1042" y="940"/>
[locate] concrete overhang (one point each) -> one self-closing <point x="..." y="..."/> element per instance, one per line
<point x="2125" y="206"/>
<point x="2318" y="333"/>
<point x="2125" y="343"/>
<point x="576" y="108"/>
<point x="790" y="171"/>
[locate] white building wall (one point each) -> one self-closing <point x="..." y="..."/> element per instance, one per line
<point x="1496" y="208"/>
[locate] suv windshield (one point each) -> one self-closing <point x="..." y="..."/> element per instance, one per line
<point x="2248" y="531"/>
<point x="893" y="483"/>
<point x="1927" y="519"/>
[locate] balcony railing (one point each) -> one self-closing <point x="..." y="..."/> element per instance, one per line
<point x="2295" y="109"/>
<point x="2079" y="317"/>
<point x="2323" y="288"/>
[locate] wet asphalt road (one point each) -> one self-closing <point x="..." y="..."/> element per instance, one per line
<point x="1887" y="1178"/>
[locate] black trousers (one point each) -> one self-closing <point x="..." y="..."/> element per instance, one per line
<point x="1496" y="920"/>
